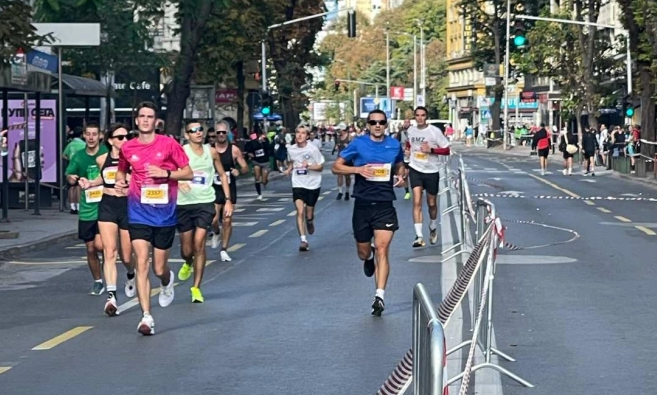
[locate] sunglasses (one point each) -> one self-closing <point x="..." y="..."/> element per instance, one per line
<point x="196" y="129"/>
<point x="222" y="132"/>
<point x="121" y="137"/>
<point x="381" y="122"/>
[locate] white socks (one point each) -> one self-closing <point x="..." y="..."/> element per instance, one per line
<point x="418" y="230"/>
<point x="303" y="239"/>
<point x="340" y="189"/>
<point x="432" y="224"/>
<point x="380" y="293"/>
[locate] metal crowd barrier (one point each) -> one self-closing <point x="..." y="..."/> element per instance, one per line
<point x="464" y="204"/>
<point x="429" y="352"/>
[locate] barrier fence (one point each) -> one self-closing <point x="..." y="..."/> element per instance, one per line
<point x="480" y="232"/>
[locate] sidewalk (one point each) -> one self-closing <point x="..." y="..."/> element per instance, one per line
<point x="26" y="232"/>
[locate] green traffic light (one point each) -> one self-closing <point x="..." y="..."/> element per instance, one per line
<point x="265" y="111"/>
<point x="520" y="41"/>
<point x="629" y="112"/>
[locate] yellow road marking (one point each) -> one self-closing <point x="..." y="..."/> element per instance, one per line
<point x="235" y="247"/>
<point x="68" y="335"/>
<point x="647" y="231"/>
<point x="276" y="223"/>
<point x="557" y="187"/>
<point x="4" y="369"/>
<point x="590" y="203"/>
<point x="259" y="233"/>
<point x="292" y="213"/>
<point x="604" y="210"/>
<point x="622" y="219"/>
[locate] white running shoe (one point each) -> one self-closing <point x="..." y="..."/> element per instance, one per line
<point x="166" y="292"/>
<point x="146" y="326"/>
<point x="224" y="256"/>
<point x="564" y="172"/>
<point x="216" y="241"/>
<point x="259" y="197"/>
<point x="130" y="288"/>
<point x="111" y="309"/>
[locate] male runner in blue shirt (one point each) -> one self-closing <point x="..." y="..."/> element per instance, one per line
<point x="376" y="159"/>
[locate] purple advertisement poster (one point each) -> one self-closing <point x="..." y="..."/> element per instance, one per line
<point x="22" y="158"/>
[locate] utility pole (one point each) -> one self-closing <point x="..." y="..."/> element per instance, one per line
<point x="387" y="63"/>
<point x="506" y="76"/>
<point x="414" y="71"/>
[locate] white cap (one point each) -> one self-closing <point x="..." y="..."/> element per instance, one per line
<point x="341" y="126"/>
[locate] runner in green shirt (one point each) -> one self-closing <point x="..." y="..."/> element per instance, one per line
<point x="83" y="164"/>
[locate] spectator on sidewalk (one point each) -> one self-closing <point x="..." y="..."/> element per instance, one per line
<point x="541" y="142"/>
<point x="568" y="141"/>
<point x="589" y="144"/>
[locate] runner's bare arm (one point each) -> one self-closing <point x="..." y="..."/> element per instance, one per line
<point x="239" y="158"/>
<point x="221" y="173"/>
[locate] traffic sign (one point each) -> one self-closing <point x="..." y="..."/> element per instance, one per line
<point x="485" y="114"/>
<point x="397" y="92"/>
<point x="420" y="100"/>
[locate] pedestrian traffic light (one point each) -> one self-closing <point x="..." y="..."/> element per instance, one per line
<point x="351" y="24"/>
<point x="265" y="104"/>
<point x="628" y="107"/>
<point x="520" y="35"/>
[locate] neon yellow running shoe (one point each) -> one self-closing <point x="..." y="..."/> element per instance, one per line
<point x="197" y="296"/>
<point x="407" y="196"/>
<point x="185" y="271"/>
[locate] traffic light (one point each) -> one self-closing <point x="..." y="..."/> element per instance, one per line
<point x="351" y="24"/>
<point x="519" y="35"/>
<point x="628" y="107"/>
<point x="265" y="104"/>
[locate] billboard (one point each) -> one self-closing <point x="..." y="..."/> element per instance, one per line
<point x="368" y="104"/>
<point x="22" y="164"/>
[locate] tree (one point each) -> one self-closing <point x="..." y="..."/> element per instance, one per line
<point x="640" y="19"/>
<point x="16" y="30"/>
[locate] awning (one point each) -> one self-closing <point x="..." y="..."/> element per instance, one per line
<point x="80" y="86"/>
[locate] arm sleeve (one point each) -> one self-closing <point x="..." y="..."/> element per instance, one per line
<point x="350" y="152"/>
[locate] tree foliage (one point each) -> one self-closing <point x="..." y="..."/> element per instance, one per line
<point x="16" y="29"/>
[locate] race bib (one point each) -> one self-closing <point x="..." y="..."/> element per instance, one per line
<point x="421" y="156"/>
<point x="302" y="172"/>
<point x="109" y="175"/>
<point x="381" y="172"/>
<point x="259" y="153"/>
<point x="200" y="179"/>
<point x="93" y="195"/>
<point x="155" y="194"/>
<point x="217" y="179"/>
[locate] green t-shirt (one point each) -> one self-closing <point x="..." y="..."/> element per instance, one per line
<point x="74" y="146"/>
<point x="84" y="165"/>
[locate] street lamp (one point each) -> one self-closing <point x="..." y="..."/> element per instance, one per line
<point x="423" y="74"/>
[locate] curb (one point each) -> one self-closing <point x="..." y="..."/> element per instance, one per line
<point x="649" y="182"/>
<point x="20" y="249"/>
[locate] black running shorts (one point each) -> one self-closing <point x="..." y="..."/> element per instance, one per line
<point x="191" y="216"/>
<point x="159" y="237"/>
<point x="114" y="209"/>
<point x="87" y="230"/>
<point x="428" y="181"/>
<point x="308" y="196"/>
<point x="370" y="216"/>
<point x="543" y="153"/>
<point x="220" y="196"/>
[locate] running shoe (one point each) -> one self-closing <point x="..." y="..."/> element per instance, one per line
<point x="97" y="288"/>
<point x="346" y="196"/>
<point x="216" y="240"/>
<point x="111" y="309"/>
<point x="129" y="288"/>
<point x="418" y="242"/>
<point x="378" y="306"/>
<point x="407" y="196"/>
<point x="224" y="256"/>
<point x="339" y="197"/>
<point x="259" y="197"/>
<point x="146" y="326"/>
<point x="166" y="292"/>
<point x="304" y="246"/>
<point x="368" y="267"/>
<point x="310" y="226"/>
<point x="185" y="271"/>
<point x="433" y="235"/>
<point x="197" y="296"/>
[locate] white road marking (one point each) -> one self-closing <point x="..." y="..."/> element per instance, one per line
<point x="244" y="223"/>
<point x="276" y="223"/>
<point x="292" y="213"/>
<point x="235" y="247"/>
<point x="270" y="209"/>
<point x="259" y="233"/>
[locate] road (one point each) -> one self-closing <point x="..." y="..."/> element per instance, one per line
<point x="575" y="314"/>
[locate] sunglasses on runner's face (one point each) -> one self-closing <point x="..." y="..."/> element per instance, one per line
<point x="195" y="129"/>
<point x="222" y="132"/>
<point x="377" y="122"/>
<point x="121" y="137"/>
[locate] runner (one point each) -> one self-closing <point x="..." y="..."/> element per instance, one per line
<point x="305" y="163"/>
<point x="341" y="141"/>
<point x="157" y="163"/>
<point x="195" y="209"/>
<point x="402" y="136"/>
<point x="542" y="142"/>
<point x="113" y="217"/>
<point x="229" y="154"/>
<point x="258" y="150"/>
<point x="375" y="156"/>
<point x="83" y="165"/>
<point x="427" y="142"/>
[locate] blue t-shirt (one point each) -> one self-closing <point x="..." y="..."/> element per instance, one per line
<point x="362" y="151"/>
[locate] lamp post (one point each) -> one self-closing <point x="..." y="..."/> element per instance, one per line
<point x="423" y="72"/>
<point x="506" y="75"/>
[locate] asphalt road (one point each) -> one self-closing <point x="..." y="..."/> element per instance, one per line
<point x="574" y="313"/>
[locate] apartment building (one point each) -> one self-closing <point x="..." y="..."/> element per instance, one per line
<point x="370" y="8"/>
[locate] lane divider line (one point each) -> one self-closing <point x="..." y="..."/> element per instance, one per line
<point x="4" y="369"/>
<point x="235" y="247"/>
<point x="292" y="213"/>
<point x="276" y="223"/>
<point x="57" y="340"/>
<point x="604" y="210"/>
<point x="645" y="230"/>
<point x="326" y="193"/>
<point x="590" y="203"/>
<point x="622" y="219"/>
<point x="320" y="198"/>
<point x="259" y="233"/>
<point x="555" y="186"/>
